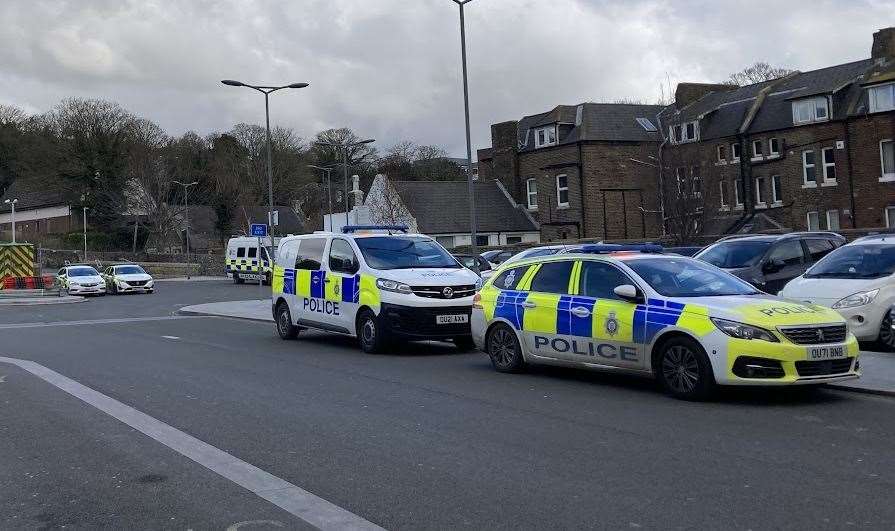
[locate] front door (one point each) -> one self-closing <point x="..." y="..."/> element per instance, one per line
<point x="545" y="325"/>
<point x="342" y="282"/>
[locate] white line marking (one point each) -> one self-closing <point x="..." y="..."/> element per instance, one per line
<point x="171" y="337"/>
<point x="98" y="321"/>
<point x="3" y="379"/>
<point x="295" y="500"/>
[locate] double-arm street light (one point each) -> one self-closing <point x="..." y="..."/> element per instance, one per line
<point x="469" y="183"/>
<point x="186" y="209"/>
<point x="329" y="192"/>
<point x="12" y="203"/>
<point x="266" y="90"/>
<point x="343" y="148"/>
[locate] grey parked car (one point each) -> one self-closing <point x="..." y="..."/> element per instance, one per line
<point x="769" y="261"/>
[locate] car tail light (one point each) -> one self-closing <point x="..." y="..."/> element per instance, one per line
<point x="477" y="301"/>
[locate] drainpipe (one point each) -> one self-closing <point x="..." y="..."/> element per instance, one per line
<point x="582" y="231"/>
<point x="661" y="186"/>
<point x="851" y="180"/>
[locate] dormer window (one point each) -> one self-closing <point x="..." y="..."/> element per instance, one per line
<point x="882" y="97"/>
<point x="686" y="132"/>
<point x="545" y="136"/>
<point x="810" y="110"/>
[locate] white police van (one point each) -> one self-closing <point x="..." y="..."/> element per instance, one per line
<point x="376" y="283"/>
<point x="247" y="261"/>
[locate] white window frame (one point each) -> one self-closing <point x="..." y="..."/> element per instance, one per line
<point x="722" y="193"/>
<point x="733" y="152"/>
<point x="890" y="176"/>
<point x="771" y="151"/>
<point x="805" y="182"/>
<point x="826" y="166"/>
<point x="672" y="133"/>
<point x="695" y="137"/>
<point x="759" y="153"/>
<point x="696" y="182"/>
<point x="738" y="201"/>
<point x="718" y="149"/>
<point x="804" y="111"/>
<point x="808" y="220"/>
<point x="529" y="193"/>
<point x="549" y="136"/>
<point x="886" y="215"/>
<point x="759" y="200"/>
<point x="680" y="179"/>
<point x="776" y="190"/>
<point x="874" y="99"/>
<point x="829" y="226"/>
<point x="559" y="203"/>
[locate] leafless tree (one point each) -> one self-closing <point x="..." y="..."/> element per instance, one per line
<point x="685" y="203"/>
<point x="387" y="206"/>
<point x="756" y="74"/>
<point x="11" y="115"/>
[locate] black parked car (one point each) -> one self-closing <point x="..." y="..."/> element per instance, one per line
<point x="769" y="261"/>
<point x="469" y="261"/>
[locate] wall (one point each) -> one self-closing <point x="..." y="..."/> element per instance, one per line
<point x="162" y="264"/>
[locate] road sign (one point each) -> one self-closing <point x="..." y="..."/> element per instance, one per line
<point x="259" y="230"/>
<point x="276" y="219"/>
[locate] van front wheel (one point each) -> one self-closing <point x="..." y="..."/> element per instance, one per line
<point x="285" y="328"/>
<point x="372" y="336"/>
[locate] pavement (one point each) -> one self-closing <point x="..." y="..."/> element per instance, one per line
<point x="254" y="310"/>
<point x="143" y="418"/>
<point x="9" y="300"/>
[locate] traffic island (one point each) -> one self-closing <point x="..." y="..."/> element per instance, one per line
<point x="252" y="310"/>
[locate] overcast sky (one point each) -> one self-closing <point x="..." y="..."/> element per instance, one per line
<point x="390" y="69"/>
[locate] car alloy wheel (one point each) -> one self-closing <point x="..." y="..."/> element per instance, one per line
<point x="684" y="370"/>
<point x="504" y="350"/>
<point x="887" y="331"/>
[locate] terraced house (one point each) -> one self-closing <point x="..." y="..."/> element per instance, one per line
<point x="812" y="150"/>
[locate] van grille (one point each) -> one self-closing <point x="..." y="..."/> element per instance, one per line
<point x="437" y="292"/>
<point x="815" y="335"/>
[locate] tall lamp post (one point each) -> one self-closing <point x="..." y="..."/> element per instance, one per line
<point x="329" y="191"/>
<point x="12" y="203"/>
<point x="469" y="183"/>
<point x="266" y="90"/>
<point x="85" y="234"/>
<point x="186" y="208"/>
<point x="343" y="148"/>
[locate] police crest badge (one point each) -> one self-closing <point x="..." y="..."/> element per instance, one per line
<point x="611" y="324"/>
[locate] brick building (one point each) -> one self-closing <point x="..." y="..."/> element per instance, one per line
<point x="583" y="171"/>
<point x="812" y="150"/>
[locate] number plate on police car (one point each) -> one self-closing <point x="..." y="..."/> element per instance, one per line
<point x="451" y="319"/>
<point x="249" y="277"/>
<point x="825" y="353"/>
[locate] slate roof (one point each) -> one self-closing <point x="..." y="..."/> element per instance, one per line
<point x="442" y="207"/>
<point x="39" y="192"/>
<point x="592" y="121"/>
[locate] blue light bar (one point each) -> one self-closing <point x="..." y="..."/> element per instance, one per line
<point x="347" y="229"/>
<point x="606" y="248"/>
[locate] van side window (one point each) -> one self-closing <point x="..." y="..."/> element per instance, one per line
<point x="253" y="252"/>
<point x="310" y="254"/>
<point x="510" y="278"/>
<point x="241" y="252"/>
<point x="342" y="258"/>
<point x="819" y="248"/>
<point x="553" y="277"/>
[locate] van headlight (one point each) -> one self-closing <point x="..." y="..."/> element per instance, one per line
<point x="479" y="283"/>
<point x="743" y="331"/>
<point x="393" y="286"/>
<point x="857" y="299"/>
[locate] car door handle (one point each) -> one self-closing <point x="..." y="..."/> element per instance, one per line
<point x="580" y="311"/>
<point x="528" y="305"/>
<point x="327" y="280"/>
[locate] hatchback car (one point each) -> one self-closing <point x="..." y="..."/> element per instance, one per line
<point x="81" y="280"/>
<point x="128" y="278"/>
<point x="769" y="261"/>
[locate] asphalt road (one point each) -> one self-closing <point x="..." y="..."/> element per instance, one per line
<point x="422" y="438"/>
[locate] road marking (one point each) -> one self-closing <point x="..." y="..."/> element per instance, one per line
<point x="171" y="337"/>
<point x="98" y="321"/>
<point x="306" y="506"/>
<point x="3" y="379"/>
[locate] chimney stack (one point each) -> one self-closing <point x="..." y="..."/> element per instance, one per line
<point x="883" y="45"/>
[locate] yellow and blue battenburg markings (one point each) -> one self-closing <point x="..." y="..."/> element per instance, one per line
<point x="509" y="306"/>
<point x="307" y="283"/>
<point x="652" y="317"/>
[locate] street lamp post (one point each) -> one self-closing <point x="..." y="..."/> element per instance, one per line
<point x="186" y="209"/>
<point x="12" y="203"/>
<point x="469" y="183"/>
<point x="329" y="192"/>
<point x="266" y="90"/>
<point x="85" y="233"/>
<point x="343" y="148"/>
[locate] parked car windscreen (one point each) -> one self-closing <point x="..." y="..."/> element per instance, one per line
<point x="856" y="261"/>
<point x="734" y="254"/>
<point x="404" y="252"/>
<point x="82" y="272"/>
<point x="130" y="270"/>
<point x="688" y="278"/>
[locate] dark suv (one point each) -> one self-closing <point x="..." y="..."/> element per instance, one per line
<point x="769" y="261"/>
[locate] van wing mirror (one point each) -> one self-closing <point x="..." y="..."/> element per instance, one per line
<point x="629" y="293"/>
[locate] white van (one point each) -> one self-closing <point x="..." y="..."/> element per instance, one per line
<point x="246" y="261"/>
<point x="374" y="283"/>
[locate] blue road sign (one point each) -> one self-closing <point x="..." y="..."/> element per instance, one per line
<point x="259" y="230"/>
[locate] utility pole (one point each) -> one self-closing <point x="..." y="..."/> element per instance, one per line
<point x="12" y="203"/>
<point x="186" y="208"/>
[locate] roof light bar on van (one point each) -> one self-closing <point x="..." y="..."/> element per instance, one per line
<point x="607" y="248"/>
<point x="390" y="228"/>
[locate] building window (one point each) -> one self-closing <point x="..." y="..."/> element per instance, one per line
<point x="809" y="173"/>
<point x="562" y="190"/>
<point x="692" y="131"/>
<point x="735" y="152"/>
<point x="512" y="240"/>
<point x="687" y="132"/>
<point x="774" y="147"/>
<point x="722" y="191"/>
<point x="738" y="193"/>
<point x="676" y="134"/>
<point x="882" y="97"/>
<point x="890" y="217"/>
<point x="832" y="220"/>
<point x="757" y="151"/>
<point x="776" y="190"/>
<point x="647" y="125"/>
<point x="445" y="241"/>
<point x="545" y="136"/>
<point x="696" y="182"/>
<point x="680" y="178"/>
<point x="759" y="197"/>
<point x="481" y="240"/>
<point x="531" y="188"/>
<point x="829" y="161"/>
<point x="810" y="110"/>
<point x="887" y="159"/>
<point x="722" y="154"/>
<point x="813" y="221"/>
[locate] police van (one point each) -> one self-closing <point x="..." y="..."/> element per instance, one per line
<point x="376" y="283"/>
<point x="247" y="261"/>
<point x="685" y="322"/>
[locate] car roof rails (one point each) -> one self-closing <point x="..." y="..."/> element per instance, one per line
<point x="607" y="248"/>
<point x="878" y="236"/>
<point x="350" y="229"/>
<point x="814" y="233"/>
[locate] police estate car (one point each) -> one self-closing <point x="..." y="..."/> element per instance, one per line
<point x="373" y="283"/>
<point x="689" y="324"/>
<point x="80" y="279"/>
